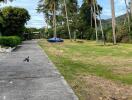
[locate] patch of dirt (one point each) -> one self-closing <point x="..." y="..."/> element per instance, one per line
<point x="105" y="60"/>
<point x="98" y="88"/>
<point x="113" y="60"/>
<point x="118" y="66"/>
<point x="57" y="52"/>
<point x="122" y="70"/>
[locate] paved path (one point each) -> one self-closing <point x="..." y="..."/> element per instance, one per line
<point x="36" y="80"/>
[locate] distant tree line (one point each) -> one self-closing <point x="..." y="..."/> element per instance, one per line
<point x="66" y="19"/>
<point x="34" y="33"/>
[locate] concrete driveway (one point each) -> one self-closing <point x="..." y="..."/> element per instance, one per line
<point x="34" y="80"/>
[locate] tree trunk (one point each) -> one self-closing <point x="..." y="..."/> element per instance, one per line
<point x="53" y="23"/>
<point x="67" y="20"/>
<point x="128" y="17"/>
<point x="81" y="35"/>
<point x="91" y="16"/>
<point x="75" y="36"/>
<point x="131" y="7"/>
<point x="95" y="23"/>
<point x="47" y="30"/>
<point x="54" y="20"/>
<point x="125" y="21"/>
<point x="103" y="37"/>
<point x="113" y="21"/>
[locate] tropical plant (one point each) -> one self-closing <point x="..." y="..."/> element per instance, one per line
<point x="95" y="11"/>
<point x="131" y="7"/>
<point x="128" y="16"/>
<point x="68" y="15"/>
<point x="67" y="20"/>
<point x="72" y="9"/>
<point x="100" y="21"/>
<point x="92" y="4"/>
<point x="49" y="7"/>
<point x="113" y="21"/>
<point x="95" y="20"/>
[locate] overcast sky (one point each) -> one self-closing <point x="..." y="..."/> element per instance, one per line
<point x="37" y="20"/>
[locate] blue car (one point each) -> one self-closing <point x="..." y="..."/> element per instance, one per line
<point x="55" y="39"/>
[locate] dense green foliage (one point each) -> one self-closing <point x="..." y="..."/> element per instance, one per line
<point x="82" y="21"/>
<point x="122" y="32"/>
<point x="79" y="19"/>
<point x="34" y="33"/>
<point x="10" y="41"/>
<point x="13" y="21"/>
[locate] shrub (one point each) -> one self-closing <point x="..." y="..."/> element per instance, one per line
<point x="10" y="41"/>
<point x="122" y="33"/>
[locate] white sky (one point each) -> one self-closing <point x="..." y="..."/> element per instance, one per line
<point x="37" y="20"/>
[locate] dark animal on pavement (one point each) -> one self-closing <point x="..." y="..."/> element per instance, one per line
<point x="26" y="59"/>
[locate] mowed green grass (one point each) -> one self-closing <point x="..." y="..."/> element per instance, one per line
<point x="75" y="60"/>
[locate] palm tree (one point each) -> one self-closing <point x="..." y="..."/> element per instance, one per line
<point x="113" y="21"/>
<point x="92" y="4"/>
<point x="103" y="37"/>
<point x="42" y="7"/>
<point x="67" y="20"/>
<point x="91" y="16"/>
<point x="131" y="7"/>
<point x="72" y="8"/>
<point x="128" y="17"/>
<point x="48" y="7"/>
<point x="53" y="7"/>
<point x="95" y="21"/>
<point x="54" y="21"/>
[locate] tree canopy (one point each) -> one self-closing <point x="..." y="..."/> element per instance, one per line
<point x="79" y="18"/>
<point x="14" y="20"/>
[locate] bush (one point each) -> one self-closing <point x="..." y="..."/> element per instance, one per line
<point x="10" y="41"/>
<point x="122" y="33"/>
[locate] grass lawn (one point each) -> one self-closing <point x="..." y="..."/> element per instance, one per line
<point x="76" y="61"/>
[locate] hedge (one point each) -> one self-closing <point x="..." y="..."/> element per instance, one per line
<point x="10" y="41"/>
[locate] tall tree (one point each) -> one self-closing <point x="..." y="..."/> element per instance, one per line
<point x="71" y="9"/>
<point x="67" y="20"/>
<point x="128" y="16"/>
<point x="113" y="21"/>
<point x="100" y="21"/>
<point x="49" y="7"/>
<point x="44" y="8"/>
<point x="131" y="7"/>
<point x="87" y="20"/>
<point x="92" y="4"/>
<point x="54" y="21"/>
<point x="95" y="20"/>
